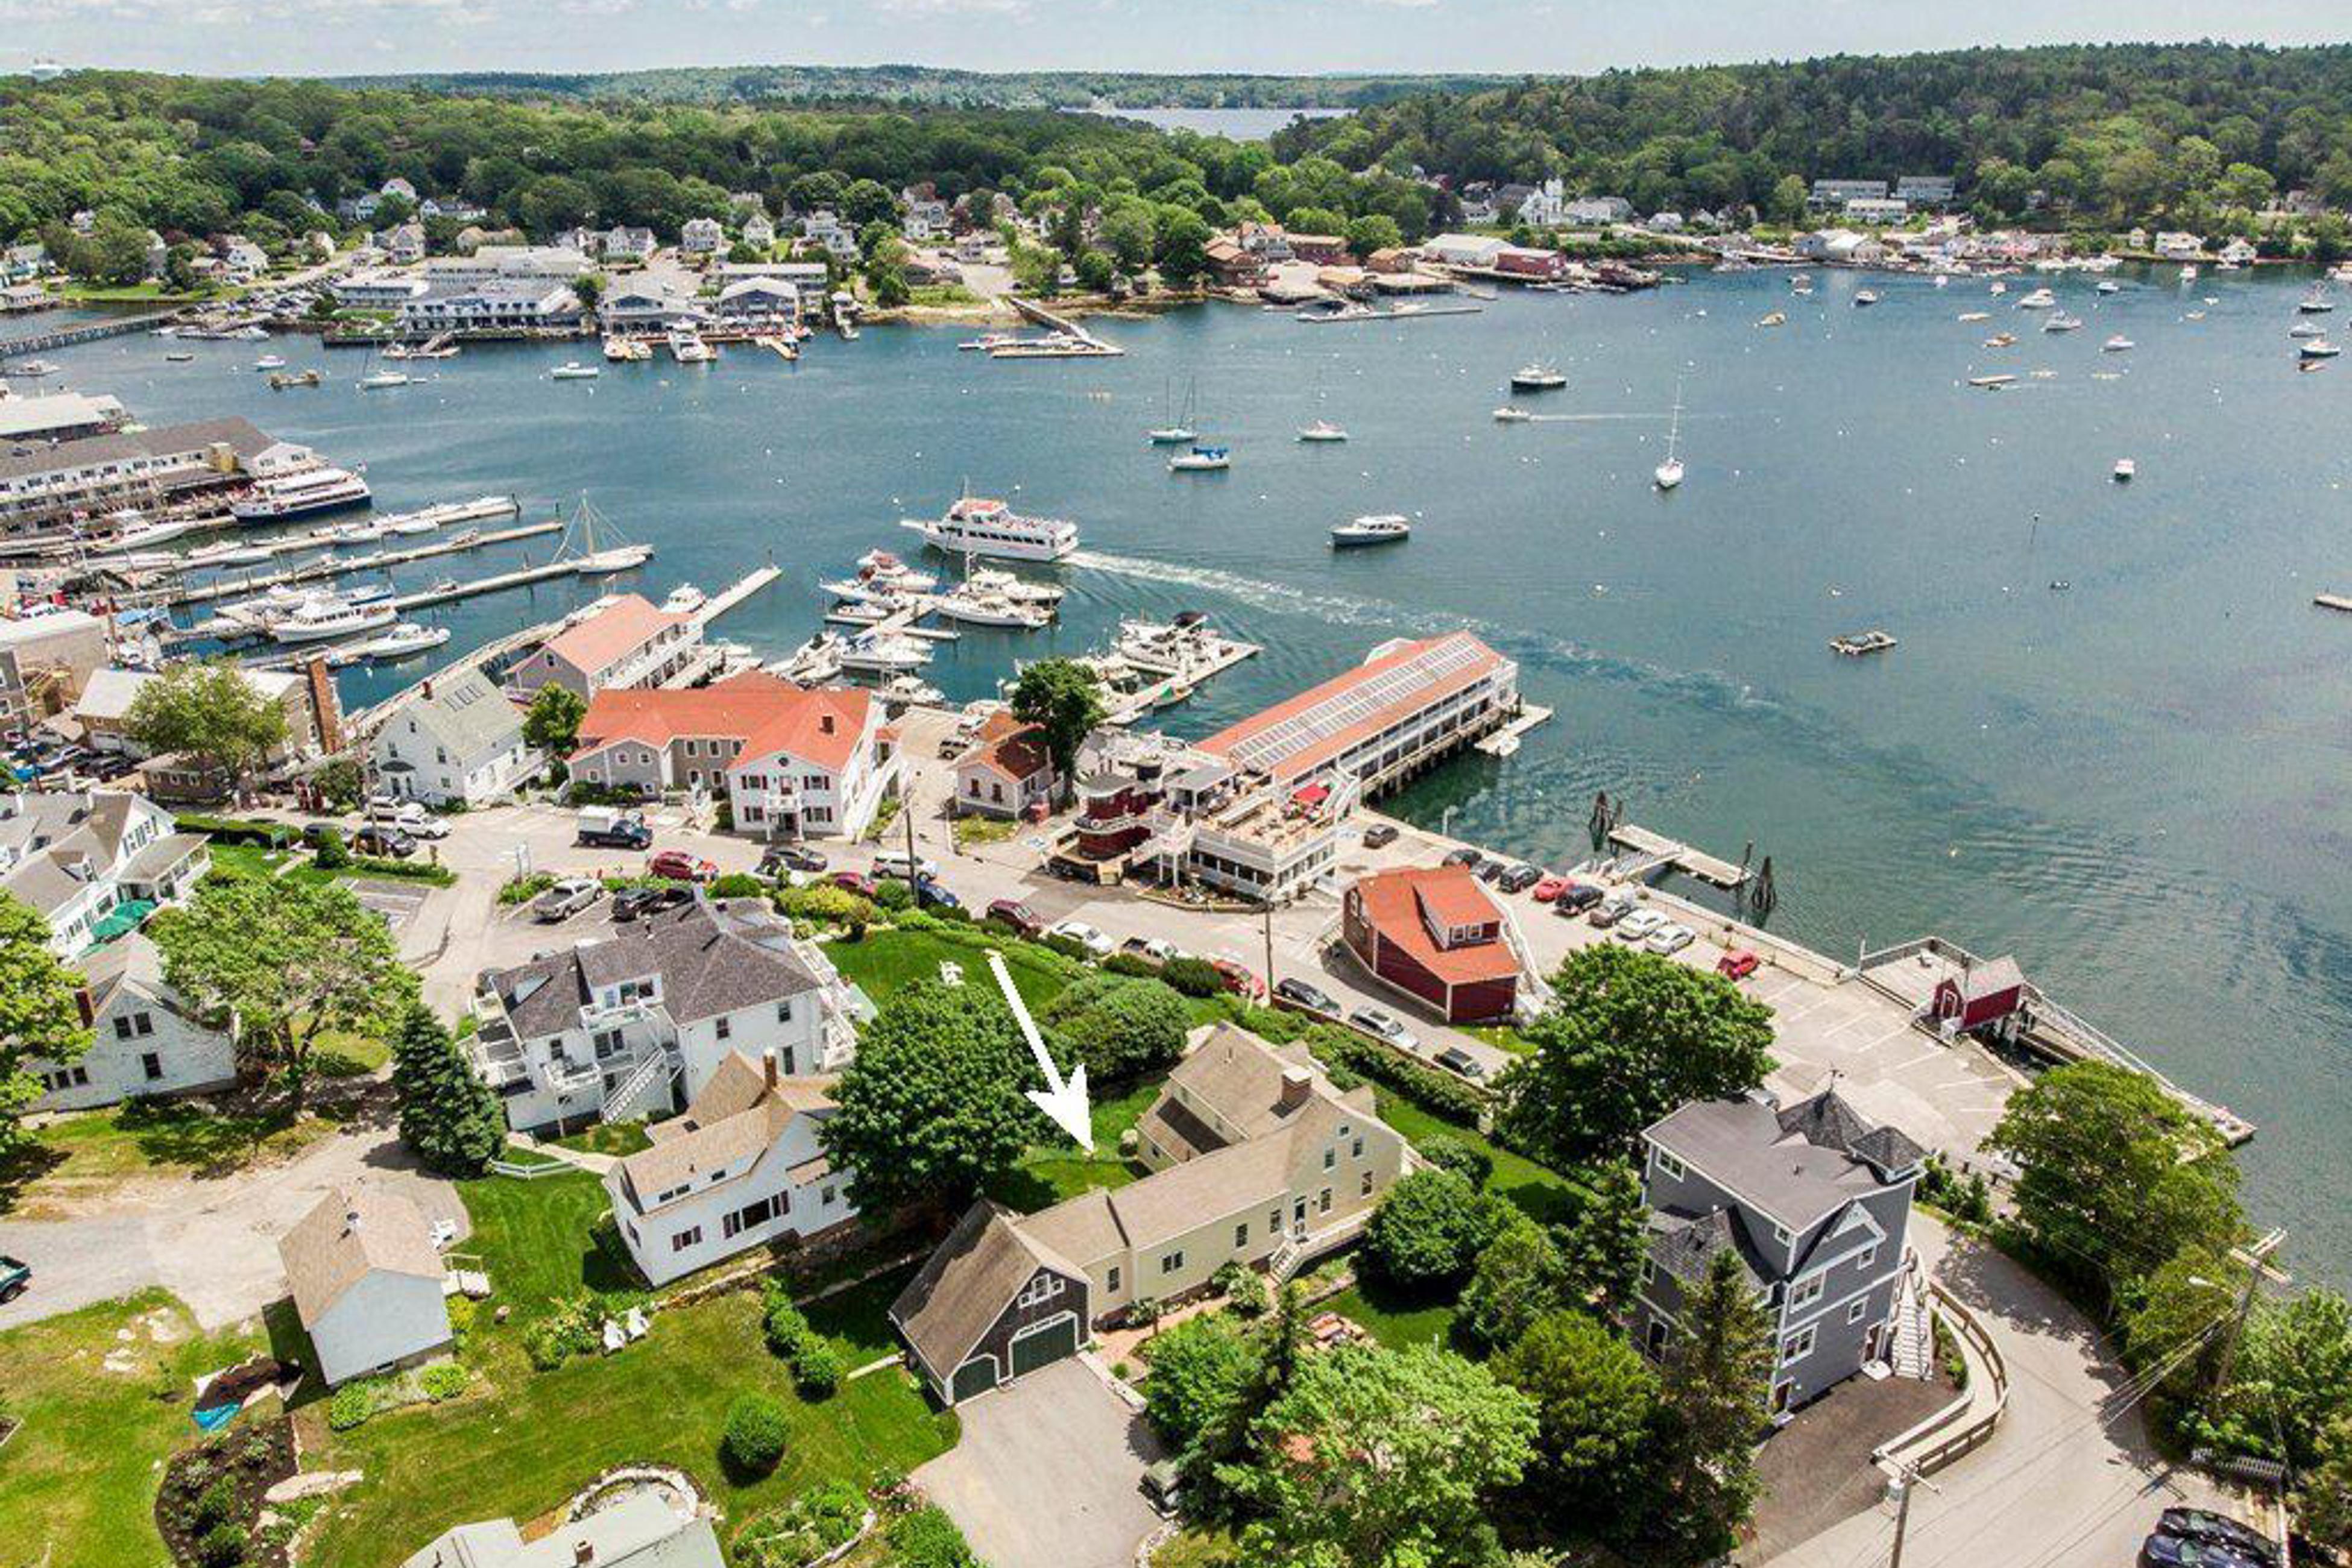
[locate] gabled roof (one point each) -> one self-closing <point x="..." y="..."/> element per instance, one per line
<point x="733" y="1124"/>
<point x="1008" y="746"/>
<point x="1684" y="1244"/>
<point x="1295" y="736"/>
<point x="1399" y="905"/>
<point x="467" y="713"/>
<point x="239" y="434"/>
<point x="1795" y="1165"/>
<point x="603" y="636"/>
<point x="824" y="725"/>
<point x="1828" y="1122"/>
<point x="352" y="1233"/>
<point x="735" y="708"/>
<point x="963" y="1287"/>
<point x="712" y="958"/>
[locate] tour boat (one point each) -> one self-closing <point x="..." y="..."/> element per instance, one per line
<point x="1866" y="296"/>
<point x="2117" y="344"/>
<point x="684" y="600"/>
<point x="1322" y="430"/>
<point x="303" y="493"/>
<point x="323" y="619"/>
<point x="2125" y="470"/>
<point x="2319" y="348"/>
<point x="1384" y="530"/>
<point x="270" y="362"/>
<point x="573" y="370"/>
<point x="1537" y="378"/>
<point x="1200" y="460"/>
<point x="977" y="526"/>
<point x="1509" y="415"/>
<point x="883" y="655"/>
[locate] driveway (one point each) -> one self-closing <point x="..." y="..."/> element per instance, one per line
<point x="1048" y="1473"/>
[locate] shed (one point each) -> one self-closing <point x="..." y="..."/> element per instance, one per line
<point x="367" y="1283"/>
<point x="1982" y="994"/>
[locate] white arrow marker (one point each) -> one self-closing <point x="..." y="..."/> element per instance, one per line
<point x="1065" y="1102"/>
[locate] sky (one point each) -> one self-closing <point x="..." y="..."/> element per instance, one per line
<point x="322" y="38"/>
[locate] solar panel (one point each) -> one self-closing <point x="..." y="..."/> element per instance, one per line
<point x="1361" y="700"/>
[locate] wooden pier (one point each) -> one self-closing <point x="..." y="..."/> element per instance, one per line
<point x="1177" y="685"/>
<point x="87" y="333"/>
<point x="322" y="570"/>
<point x="1663" y="851"/>
<point x="1505" y="742"/>
<point x="1087" y="346"/>
<point x="521" y="576"/>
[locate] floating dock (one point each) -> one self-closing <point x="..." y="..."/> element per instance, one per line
<point x="1180" y="684"/>
<point x="322" y="570"/>
<point x="1384" y="313"/>
<point x="1084" y="345"/>
<point x="1662" y="852"/>
<point x="1505" y="742"/>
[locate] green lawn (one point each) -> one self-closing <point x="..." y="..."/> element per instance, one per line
<point x="78" y="1483"/>
<point x="91" y="1153"/>
<point x="888" y="960"/>
<point x="536" y="1239"/>
<point x="252" y="860"/>
<point x="1396" y="1321"/>
<point x="1544" y="1194"/>
<point x="619" y="1139"/>
<point x="1501" y="1036"/>
<point x="1049" y="1173"/>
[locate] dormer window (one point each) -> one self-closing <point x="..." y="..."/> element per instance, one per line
<point x="1780" y="1235"/>
<point x="1669" y="1167"/>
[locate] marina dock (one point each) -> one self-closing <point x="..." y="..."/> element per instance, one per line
<point x="2334" y="601"/>
<point x="521" y="576"/>
<point x="1178" y="685"/>
<point x="1661" y="851"/>
<point x="1505" y="742"/>
<point x="87" y="332"/>
<point x="1080" y="344"/>
<point x="1410" y="311"/>
<point x="324" y="570"/>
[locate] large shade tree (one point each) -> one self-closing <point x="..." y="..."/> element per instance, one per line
<point x="210" y="710"/>
<point x="1064" y="699"/>
<point x="40" y="1012"/>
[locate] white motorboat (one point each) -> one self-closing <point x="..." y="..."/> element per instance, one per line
<point x="410" y="525"/>
<point x="2188" y="272"/>
<point x="989" y="610"/>
<point x="627" y="350"/>
<point x="2109" y="285"/>
<point x="405" y="641"/>
<point x="2319" y="348"/>
<point x="913" y="690"/>
<point x="2061" y="323"/>
<point x="982" y="527"/>
<point x="353" y="533"/>
<point x="1865" y="296"/>
<point x="2125" y="470"/>
<point x="33" y="368"/>
<point x="321" y="488"/>
<point x="1322" y="430"/>
<point x="2306" y="329"/>
<point x="1019" y="590"/>
<point x="1384" y="528"/>
<point x="325" y="619"/>
<point x="1802" y="282"/>
<point x="2316" y="302"/>
<point x="684" y="600"/>
<point x="688" y="349"/>
<point x="2040" y="299"/>
<point x="228" y="552"/>
<point x="880" y="575"/>
<point x="1669" y="474"/>
<point x="883" y="654"/>
<point x="1537" y="377"/>
<point x="380" y="381"/>
<point x="1509" y="415"/>
<point x="1999" y="287"/>
<point x="2119" y="344"/>
<point x="270" y="362"/>
<point x="132" y="533"/>
<point x="573" y="370"/>
<point x="1201" y="460"/>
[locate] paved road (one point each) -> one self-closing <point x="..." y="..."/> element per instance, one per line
<point x="1048" y="1472"/>
<point x="2068" y="1481"/>
<point x="211" y="1242"/>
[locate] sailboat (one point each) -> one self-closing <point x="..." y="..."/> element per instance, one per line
<point x="1670" y="472"/>
<point x="1178" y="431"/>
<point x="595" y="558"/>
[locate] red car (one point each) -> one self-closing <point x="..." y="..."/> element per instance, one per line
<point x="1018" y="915"/>
<point x="679" y="866"/>
<point x="1738" y="965"/>
<point x="1549" y="888"/>
<point x="1239" y="980"/>
<point x="856" y="882"/>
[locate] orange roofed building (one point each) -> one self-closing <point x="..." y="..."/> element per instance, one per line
<point x="795" y="762"/>
<point x="1434" y="934"/>
<point x="624" y="642"/>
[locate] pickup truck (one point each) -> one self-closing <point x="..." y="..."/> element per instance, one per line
<point x="601" y="827"/>
<point x="16" y="1278"/>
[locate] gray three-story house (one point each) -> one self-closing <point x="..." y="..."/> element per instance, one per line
<point x="1813" y="1201"/>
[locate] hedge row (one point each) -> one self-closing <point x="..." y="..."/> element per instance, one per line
<point x="238" y="830"/>
<point x="1439" y="1093"/>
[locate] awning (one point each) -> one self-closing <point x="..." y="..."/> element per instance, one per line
<point x="1311" y="794"/>
<point x="121" y="921"/>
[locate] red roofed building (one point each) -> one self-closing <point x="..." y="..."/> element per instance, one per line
<point x="1007" y="772"/>
<point x="624" y="642"/>
<point x="795" y="762"/>
<point x="1406" y="707"/>
<point x="1435" y="935"/>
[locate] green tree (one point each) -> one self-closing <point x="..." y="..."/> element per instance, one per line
<point x="1429" y="1228"/>
<point x="1596" y="1403"/>
<point x="2114" y="1176"/>
<point x="1204" y="1372"/>
<point x="2293" y="1377"/>
<point x="1381" y="1459"/>
<point x="211" y="711"/>
<point x="1120" y="1028"/>
<point x="2174" y="1308"/>
<point x="1064" y="699"/>
<point x="930" y="1107"/>
<point x="1602" y="1248"/>
<point x="1183" y="240"/>
<point x="1095" y="271"/>
<point x="552" y="722"/>
<point x="588" y="289"/>
<point x="2325" y="1501"/>
<point x="752" y="1443"/>
<point x="1628" y="1037"/>
<point x="40" y="1013"/>
<point x="1373" y="231"/>
<point x="1711" y="1407"/>
<point x="1517" y="1280"/>
<point x="288" y="962"/>
<point x="448" y="1114"/>
<point x="1788" y="201"/>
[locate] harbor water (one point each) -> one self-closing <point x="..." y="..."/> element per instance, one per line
<point x="2113" y="738"/>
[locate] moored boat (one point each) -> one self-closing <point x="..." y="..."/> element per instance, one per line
<point x="1385" y="528"/>
<point x="979" y="525"/>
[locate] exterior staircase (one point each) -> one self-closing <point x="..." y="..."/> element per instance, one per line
<point x="1284" y="1261"/>
<point x="1915" y="1334"/>
<point x="629" y="1100"/>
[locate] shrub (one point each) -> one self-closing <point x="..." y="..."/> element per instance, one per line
<point x="1067" y="946"/>
<point x="951" y="914"/>
<point x="443" y="1382"/>
<point x="1430" y="1229"/>
<point x="333" y="855"/>
<point x="1276" y="1024"/>
<point x="215" y="1505"/>
<point x="787" y="1331"/>
<point x="927" y="1538"/>
<point x="353" y="1402"/>
<point x="406" y="871"/>
<point x="816" y="1371"/>
<point x="1435" y="1092"/>
<point x="1463" y="1158"/>
<point x="738" y="884"/>
<point x="1134" y="966"/>
<point x="238" y="831"/>
<point x="893" y="896"/>
<point x="523" y="889"/>
<point x="753" y="1443"/>
<point x="824" y="903"/>
<point x="1120" y="1028"/>
<point x="222" y="1546"/>
<point x="1245" y="1287"/>
<point x="1193" y="977"/>
<point x="816" y="1522"/>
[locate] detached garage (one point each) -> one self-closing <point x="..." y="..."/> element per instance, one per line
<point x="991" y="1305"/>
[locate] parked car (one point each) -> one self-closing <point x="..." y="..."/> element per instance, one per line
<point x="1737" y="964"/>
<point x="609" y="828"/>
<point x="1520" y="878"/>
<point x="1307" y="998"/>
<point x="1491" y="871"/>
<point x="1239" y="980"/>
<point x="630" y="903"/>
<point x="566" y="899"/>
<point x="778" y="859"/>
<point x="1096" y="943"/>
<point x="1548" y="891"/>
<point x="2204" y="1524"/>
<point x="680" y="866"/>
<point x="934" y="892"/>
<point x="1385" y="1026"/>
<point x="1579" y="896"/>
<point x="1635" y="927"/>
<point x="409" y="816"/>
<point x="1466" y="855"/>
<point x="1611" y="910"/>
<point x="2161" y="1550"/>
<point x="1380" y="835"/>
<point x="1454" y="1059"/>
<point x="1020" y="917"/>
<point x="1163" y="1487"/>
<point x="1157" y="949"/>
<point x="1671" y="937"/>
<point x="15" y="1278"/>
<point x="376" y="839"/>
<point x="856" y="882"/>
<point x="897" y="863"/>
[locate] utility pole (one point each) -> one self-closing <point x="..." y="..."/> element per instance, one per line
<point x="2258" y="1266"/>
<point x="914" y="866"/>
<point x="1907" y="1479"/>
<point x="1269" y="955"/>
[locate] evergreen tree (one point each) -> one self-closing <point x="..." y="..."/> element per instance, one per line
<point x="1601" y="1250"/>
<point x="448" y="1114"/>
<point x="1711" y="1408"/>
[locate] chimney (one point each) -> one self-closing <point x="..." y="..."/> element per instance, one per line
<point x="583" y="1553"/>
<point x="326" y="708"/>
<point x="1297" y="1083"/>
<point x="768" y="1063"/>
<point x="824" y="723"/>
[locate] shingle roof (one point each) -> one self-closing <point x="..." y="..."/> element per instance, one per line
<point x="1684" y="1244"/>
<point x="353" y="1232"/>
<point x="1795" y="1165"/>
<point x="1395" y="903"/>
<point x="712" y="958"/>
<point x="731" y="709"/>
<point x="467" y="713"/>
<point x="963" y="1287"/>
<point x="643" y="1531"/>
<point x="605" y="635"/>
<point x="164" y="441"/>
<point x="1829" y="1122"/>
<point x="732" y="1125"/>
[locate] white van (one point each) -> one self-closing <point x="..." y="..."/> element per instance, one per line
<point x="895" y="863"/>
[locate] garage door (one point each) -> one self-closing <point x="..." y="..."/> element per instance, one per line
<point x="1043" y="1346"/>
<point x="977" y="1375"/>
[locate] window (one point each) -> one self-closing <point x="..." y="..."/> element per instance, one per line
<point x="1323" y="1202"/>
<point x="1273" y="1221"/>
<point x="1241" y="1234"/>
<point x="825" y="1195"/>
<point x="1110" y="1280"/>
<point x="1173" y="1261"/>
<point x="1367" y="1189"/>
<point x="1781" y="1233"/>
<point x="1868" y="1255"/>
<point x="1649" y="1270"/>
<point x="1331" y="1158"/>
<point x="1797" y="1346"/>
<point x="725" y="1028"/>
<point x="152" y="1065"/>
<point x="1670" y="1167"/>
<point x="1358" y="1151"/>
<point x="1806" y="1291"/>
<point x="131" y="1026"/>
<point x="1853" y="1313"/>
<point x="690" y="1236"/>
<point x="784" y="1010"/>
<point x="1042" y="1289"/>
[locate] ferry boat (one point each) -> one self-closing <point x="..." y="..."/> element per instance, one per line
<point x="302" y="494"/>
<point x="2119" y="344"/>
<point x="1537" y="378"/>
<point x="1201" y="460"/>
<point x="880" y="575"/>
<point x="883" y="655"/>
<point x="2319" y="348"/>
<point x="573" y="370"/>
<point x="1387" y="528"/>
<point x="323" y="619"/>
<point x="1322" y="430"/>
<point x="2126" y="470"/>
<point x="684" y="600"/>
<point x="990" y="528"/>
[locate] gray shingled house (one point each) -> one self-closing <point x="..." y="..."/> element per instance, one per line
<point x="1813" y="1201"/>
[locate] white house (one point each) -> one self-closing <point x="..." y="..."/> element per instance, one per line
<point x="92" y="865"/>
<point x="1878" y="210"/>
<point x="642" y="1530"/>
<point x="1463" y="250"/>
<point x="822" y="771"/>
<point x="366" y="1282"/>
<point x="456" y="742"/>
<point x="376" y="291"/>
<point x="648" y="308"/>
<point x="405" y="243"/>
<point x="619" y="641"/>
<point x="825" y="228"/>
<point x="701" y="237"/>
<point x="636" y="1025"/>
<point x="740" y="1168"/>
<point x="757" y="232"/>
<point x="760" y="300"/>
<point x="501" y="302"/>
<point x="148" y="1041"/>
<point x="1596" y="209"/>
<point x="2174" y="245"/>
